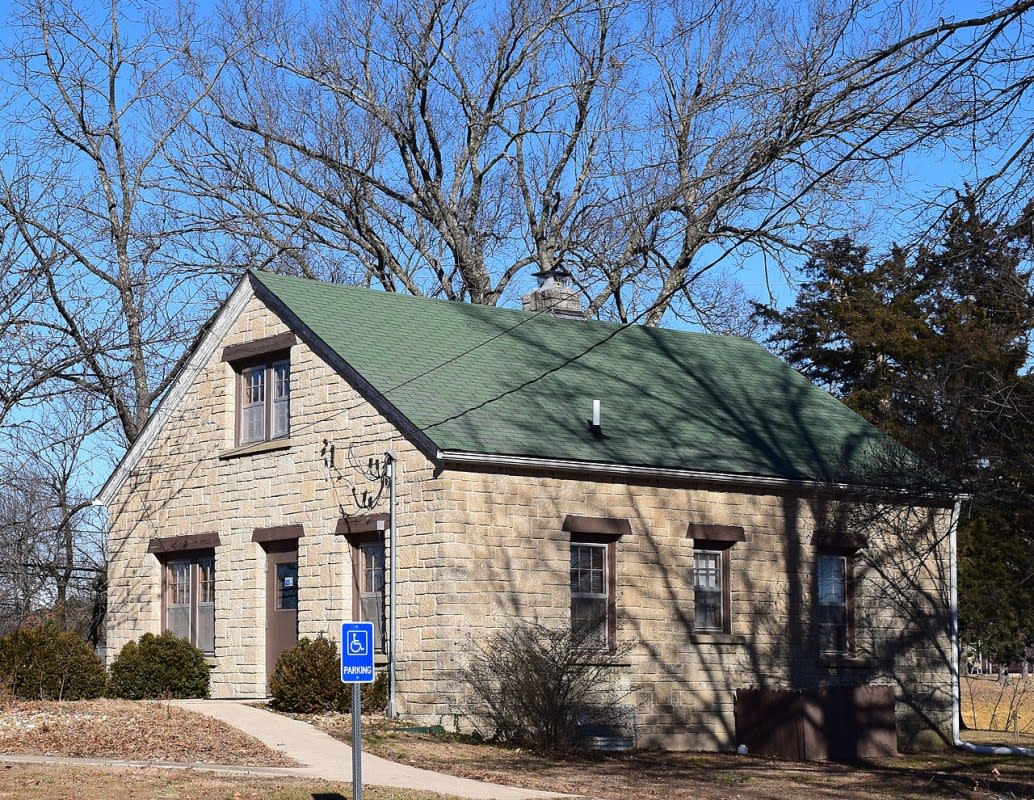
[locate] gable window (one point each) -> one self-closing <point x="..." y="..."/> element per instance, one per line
<point x="263" y="388"/>
<point x="712" y="594"/>
<point x="593" y="578"/>
<point x="265" y="402"/>
<point x="833" y="577"/>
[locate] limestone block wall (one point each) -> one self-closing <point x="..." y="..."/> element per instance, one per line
<point x="498" y="553"/>
<point x="186" y="484"/>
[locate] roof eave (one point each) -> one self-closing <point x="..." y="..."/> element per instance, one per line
<point x="454" y="458"/>
<point x="206" y="348"/>
<point x="402" y="423"/>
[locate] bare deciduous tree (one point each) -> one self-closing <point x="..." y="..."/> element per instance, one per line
<point x="51" y="539"/>
<point x="443" y="146"/>
<point x="102" y="288"/>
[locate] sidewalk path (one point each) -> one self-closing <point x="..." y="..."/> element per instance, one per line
<point x="326" y="757"/>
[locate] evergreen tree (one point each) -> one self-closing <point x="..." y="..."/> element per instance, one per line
<point x="935" y="352"/>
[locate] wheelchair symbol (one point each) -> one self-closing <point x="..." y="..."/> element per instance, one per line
<point x="358" y="643"/>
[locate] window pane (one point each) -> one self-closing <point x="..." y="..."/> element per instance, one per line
<point x="372" y="554"/>
<point x="281" y="380"/>
<point x="253" y="383"/>
<point x="253" y="423"/>
<point x="707" y="569"/>
<point x="371" y="608"/>
<point x="206" y="580"/>
<point x="707" y="610"/>
<point x="177" y="620"/>
<point x="178" y="586"/>
<point x="831" y="571"/>
<point x="287" y="586"/>
<point x="206" y="627"/>
<point x="832" y="629"/>
<point x="589" y="616"/>
<point x="281" y="399"/>
<point x="588" y="570"/>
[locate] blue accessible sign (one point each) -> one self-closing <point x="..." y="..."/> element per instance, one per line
<point x="357" y="652"/>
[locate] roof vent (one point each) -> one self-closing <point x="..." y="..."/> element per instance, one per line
<point x="554" y="295"/>
<point x="595" y="425"/>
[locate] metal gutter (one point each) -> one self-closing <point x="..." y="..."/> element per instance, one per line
<point x="457" y="458"/>
<point x="956" y="699"/>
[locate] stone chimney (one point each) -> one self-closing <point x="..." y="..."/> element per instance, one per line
<point x="554" y="295"/>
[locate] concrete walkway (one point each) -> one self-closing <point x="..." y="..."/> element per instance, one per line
<point x="326" y="757"/>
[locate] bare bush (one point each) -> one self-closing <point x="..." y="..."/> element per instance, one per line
<point x="544" y="687"/>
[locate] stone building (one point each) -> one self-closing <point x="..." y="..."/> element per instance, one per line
<point x="686" y="495"/>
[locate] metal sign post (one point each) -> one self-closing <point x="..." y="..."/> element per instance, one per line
<point x="357" y="668"/>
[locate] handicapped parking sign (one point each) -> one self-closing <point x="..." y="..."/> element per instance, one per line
<point x="357" y="652"/>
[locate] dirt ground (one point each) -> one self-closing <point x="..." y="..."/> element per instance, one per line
<point x="125" y="730"/>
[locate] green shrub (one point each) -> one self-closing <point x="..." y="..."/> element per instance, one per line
<point x="375" y="695"/>
<point x="46" y="663"/>
<point x="307" y="680"/>
<point x="159" y="666"/>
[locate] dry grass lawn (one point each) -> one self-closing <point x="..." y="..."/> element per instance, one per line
<point x="35" y="782"/>
<point x="995" y="712"/>
<point x="129" y="731"/>
<point x="653" y="775"/>
<point x="124" y="730"/>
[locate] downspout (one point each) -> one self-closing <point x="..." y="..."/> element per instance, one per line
<point x="956" y="699"/>
<point x="392" y="465"/>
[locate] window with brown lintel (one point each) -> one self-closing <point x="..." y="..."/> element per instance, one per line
<point x="188" y="586"/>
<point x="712" y="575"/>
<point x="262" y="391"/>
<point x="835" y="556"/>
<point x="366" y="536"/>
<point x="593" y="577"/>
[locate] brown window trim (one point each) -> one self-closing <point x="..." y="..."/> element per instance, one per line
<point x="720" y="538"/>
<point x="603" y="531"/>
<point x="162" y="545"/>
<point x="283" y="443"/>
<point x="192" y="555"/>
<point x="596" y="526"/>
<point x="259" y="349"/>
<point x="278" y="533"/>
<point x="729" y="534"/>
<point x="370" y="523"/>
<point x="849" y="552"/>
<point x="839" y="542"/>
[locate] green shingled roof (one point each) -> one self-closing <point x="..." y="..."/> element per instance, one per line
<point x="496" y="381"/>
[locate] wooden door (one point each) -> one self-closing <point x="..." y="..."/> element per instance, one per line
<point x="281" y="602"/>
